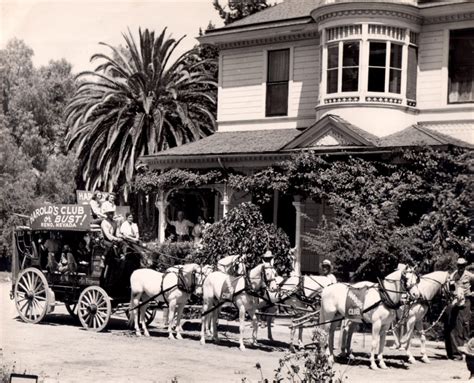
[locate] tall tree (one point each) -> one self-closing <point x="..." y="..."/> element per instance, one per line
<point x="238" y="9"/>
<point x="138" y="104"/>
<point x="34" y="165"/>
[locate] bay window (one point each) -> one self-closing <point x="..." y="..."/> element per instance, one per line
<point x="385" y="67"/>
<point x="278" y="75"/>
<point x="461" y="66"/>
<point x="369" y="62"/>
<point x="343" y="67"/>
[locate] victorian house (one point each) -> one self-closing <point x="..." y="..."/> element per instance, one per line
<point x="336" y="76"/>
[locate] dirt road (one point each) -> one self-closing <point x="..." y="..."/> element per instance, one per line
<point x="59" y="350"/>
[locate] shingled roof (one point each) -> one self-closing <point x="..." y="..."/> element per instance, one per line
<point x="288" y="9"/>
<point x="418" y="135"/>
<point x="252" y="141"/>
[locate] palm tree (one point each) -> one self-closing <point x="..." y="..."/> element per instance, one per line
<point x="138" y="102"/>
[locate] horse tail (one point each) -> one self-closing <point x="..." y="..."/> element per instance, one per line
<point x="131" y="312"/>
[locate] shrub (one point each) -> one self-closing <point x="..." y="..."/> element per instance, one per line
<point x="308" y="365"/>
<point x="243" y="231"/>
<point x="163" y="255"/>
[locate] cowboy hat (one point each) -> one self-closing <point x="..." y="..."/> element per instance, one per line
<point x="468" y="348"/>
<point x="268" y="254"/>
<point x="326" y="262"/>
<point x="461" y="262"/>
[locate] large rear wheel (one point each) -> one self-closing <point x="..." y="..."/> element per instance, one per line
<point x="94" y="308"/>
<point x="32" y="297"/>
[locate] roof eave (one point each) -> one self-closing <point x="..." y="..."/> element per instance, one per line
<point x="228" y="34"/>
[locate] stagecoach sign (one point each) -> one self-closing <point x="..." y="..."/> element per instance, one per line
<point x="61" y="217"/>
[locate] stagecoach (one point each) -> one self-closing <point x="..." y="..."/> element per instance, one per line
<point x="96" y="289"/>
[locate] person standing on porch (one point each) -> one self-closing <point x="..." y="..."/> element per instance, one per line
<point x="182" y="226"/>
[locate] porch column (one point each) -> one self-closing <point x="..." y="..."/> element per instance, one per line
<point x="226" y="198"/>
<point x="298" y="206"/>
<point x="162" y="204"/>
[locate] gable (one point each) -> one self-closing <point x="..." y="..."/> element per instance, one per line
<point x="332" y="131"/>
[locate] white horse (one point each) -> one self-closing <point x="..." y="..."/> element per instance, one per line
<point x="242" y="291"/>
<point x="375" y="308"/>
<point x="429" y="286"/>
<point x="173" y="288"/>
<point x="297" y="292"/>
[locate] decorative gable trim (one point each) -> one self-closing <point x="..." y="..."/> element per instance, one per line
<point x="329" y="131"/>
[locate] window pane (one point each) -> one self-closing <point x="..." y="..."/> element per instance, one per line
<point x="377" y="54"/>
<point x="333" y="56"/>
<point x="332" y="81"/>
<point x="350" y="79"/>
<point x="396" y="56"/>
<point x="278" y="65"/>
<point x="412" y="73"/>
<point x="395" y="81"/>
<point x="350" y="56"/>
<point x="277" y="99"/>
<point x="376" y="80"/>
<point x="461" y="66"/>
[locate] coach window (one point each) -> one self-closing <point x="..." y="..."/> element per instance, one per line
<point x="461" y="66"/>
<point x="278" y="75"/>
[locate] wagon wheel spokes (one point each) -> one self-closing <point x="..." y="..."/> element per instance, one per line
<point x="94" y="308"/>
<point x="31" y="295"/>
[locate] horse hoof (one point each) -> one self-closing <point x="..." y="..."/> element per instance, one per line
<point x="242" y="347"/>
<point x="425" y="359"/>
<point x="412" y="360"/>
<point x="351" y="356"/>
<point x="179" y="336"/>
<point x="382" y="365"/>
<point x="171" y="337"/>
<point x="373" y="366"/>
<point x="203" y="341"/>
<point x="147" y="334"/>
<point x="138" y="334"/>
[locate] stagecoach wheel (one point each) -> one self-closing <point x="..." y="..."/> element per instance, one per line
<point x="150" y="315"/>
<point x="32" y="295"/>
<point x="71" y="309"/>
<point x="94" y="308"/>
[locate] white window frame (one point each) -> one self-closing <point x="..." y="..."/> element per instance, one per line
<point x="265" y="77"/>
<point x="387" y="67"/>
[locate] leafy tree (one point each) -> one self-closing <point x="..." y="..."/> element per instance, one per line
<point x="128" y="108"/>
<point x="243" y="231"/>
<point x="238" y="9"/>
<point x="35" y="167"/>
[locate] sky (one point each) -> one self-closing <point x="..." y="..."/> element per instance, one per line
<point x="72" y="29"/>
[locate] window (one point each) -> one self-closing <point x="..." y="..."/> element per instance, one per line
<point x="278" y="73"/>
<point x="461" y="66"/>
<point x="412" y="72"/>
<point x="383" y="55"/>
<point x="347" y="68"/>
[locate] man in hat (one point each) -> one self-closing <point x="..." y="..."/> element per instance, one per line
<point x="268" y="257"/>
<point x="456" y="324"/>
<point x="326" y="268"/>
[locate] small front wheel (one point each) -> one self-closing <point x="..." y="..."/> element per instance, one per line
<point x="94" y="308"/>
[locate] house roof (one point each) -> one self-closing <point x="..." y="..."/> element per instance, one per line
<point x="288" y="9"/>
<point x="419" y="135"/>
<point x="252" y="141"/>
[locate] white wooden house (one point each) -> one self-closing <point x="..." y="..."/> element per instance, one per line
<point x="336" y="76"/>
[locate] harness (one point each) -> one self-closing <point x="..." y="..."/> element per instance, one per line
<point x="248" y="289"/>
